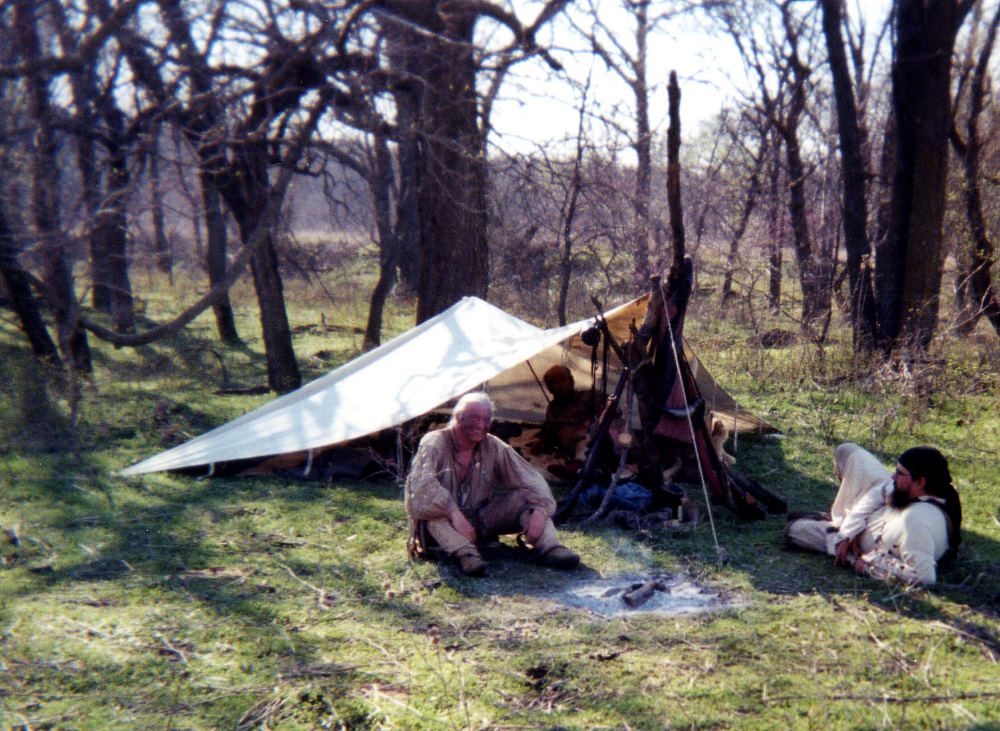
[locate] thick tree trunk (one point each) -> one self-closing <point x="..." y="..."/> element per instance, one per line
<point x="910" y="295"/>
<point x="90" y="183"/>
<point x="408" y="217"/>
<point x="22" y="300"/>
<point x="452" y="191"/>
<point x="448" y="172"/>
<point x="854" y="208"/>
<point x="282" y="369"/>
<point x="114" y="225"/>
<point x="407" y="98"/>
<point x="45" y="200"/>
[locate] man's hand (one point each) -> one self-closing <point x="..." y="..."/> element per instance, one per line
<point x="460" y="523"/>
<point x="841" y="558"/>
<point x="846" y="551"/>
<point x="535" y="525"/>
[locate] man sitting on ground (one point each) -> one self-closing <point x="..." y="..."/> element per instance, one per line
<point x="466" y="487"/>
<point x="901" y="525"/>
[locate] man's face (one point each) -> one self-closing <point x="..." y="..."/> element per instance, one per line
<point x="474" y="422"/>
<point x="905" y="488"/>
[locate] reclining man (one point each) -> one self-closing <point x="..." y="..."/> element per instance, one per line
<point x="901" y="525"/>
<point x="452" y="492"/>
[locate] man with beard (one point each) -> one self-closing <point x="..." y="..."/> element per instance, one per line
<point x="901" y="525"/>
<point x="466" y="487"/>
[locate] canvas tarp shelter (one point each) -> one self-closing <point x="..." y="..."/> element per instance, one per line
<point x="468" y="345"/>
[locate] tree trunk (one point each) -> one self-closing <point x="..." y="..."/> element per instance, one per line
<point x="45" y="200"/>
<point x="854" y="208"/>
<point x="22" y="300"/>
<point x="282" y="368"/>
<point x="90" y="183"/>
<point x="161" y="244"/>
<point x="981" y="298"/>
<point x="408" y="216"/>
<point x="215" y="251"/>
<point x="914" y="252"/>
<point x="749" y="204"/>
<point x="643" y="145"/>
<point x="380" y="184"/>
<point x="436" y="48"/>
<point x="674" y="177"/>
<point x="776" y="237"/>
<point x="114" y="227"/>
<point x="247" y="203"/>
<point x="403" y="60"/>
<point x="815" y="286"/>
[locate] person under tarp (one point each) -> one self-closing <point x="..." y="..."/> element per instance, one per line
<point x="568" y="416"/>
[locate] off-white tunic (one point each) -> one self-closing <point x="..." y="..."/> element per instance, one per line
<point x="901" y="543"/>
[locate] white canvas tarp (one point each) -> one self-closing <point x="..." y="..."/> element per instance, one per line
<point x="470" y="344"/>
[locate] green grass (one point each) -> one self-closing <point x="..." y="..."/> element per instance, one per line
<point x="172" y="602"/>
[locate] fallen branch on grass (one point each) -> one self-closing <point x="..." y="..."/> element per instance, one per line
<point x="885" y="698"/>
<point x="323" y="598"/>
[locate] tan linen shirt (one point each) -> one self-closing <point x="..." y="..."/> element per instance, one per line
<point x="433" y="489"/>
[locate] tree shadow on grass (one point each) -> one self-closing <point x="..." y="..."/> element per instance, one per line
<point x="108" y="548"/>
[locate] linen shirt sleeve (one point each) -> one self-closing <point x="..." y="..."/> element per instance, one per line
<point x="857" y="517"/>
<point x="516" y="475"/>
<point x="426" y="496"/>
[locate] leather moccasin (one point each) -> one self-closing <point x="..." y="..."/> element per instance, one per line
<point x="559" y="557"/>
<point x="471" y="564"/>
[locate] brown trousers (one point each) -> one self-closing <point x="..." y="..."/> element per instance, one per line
<point x="503" y="515"/>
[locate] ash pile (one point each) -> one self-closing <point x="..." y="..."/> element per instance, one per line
<point x="661" y="594"/>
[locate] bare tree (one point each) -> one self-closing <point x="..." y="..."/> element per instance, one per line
<point x="910" y="262"/>
<point x="975" y="287"/>
<point x="779" y="49"/>
<point x="436" y="56"/>
<point x="45" y="203"/>
<point x="854" y="177"/>
<point x="627" y="56"/>
<point x="161" y="243"/>
<point x="105" y="139"/>
<point x="748" y="126"/>
<point x="15" y="281"/>
<point x="17" y="284"/>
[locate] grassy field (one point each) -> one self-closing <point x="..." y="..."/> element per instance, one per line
<point x="177" y="603"/>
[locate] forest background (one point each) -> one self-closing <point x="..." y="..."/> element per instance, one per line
<point x="841" y="206"/>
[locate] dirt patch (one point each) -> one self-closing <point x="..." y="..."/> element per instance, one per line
<point x="662" y="594"/>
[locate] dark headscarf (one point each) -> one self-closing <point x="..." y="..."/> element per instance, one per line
<point x="929" y="463"/>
